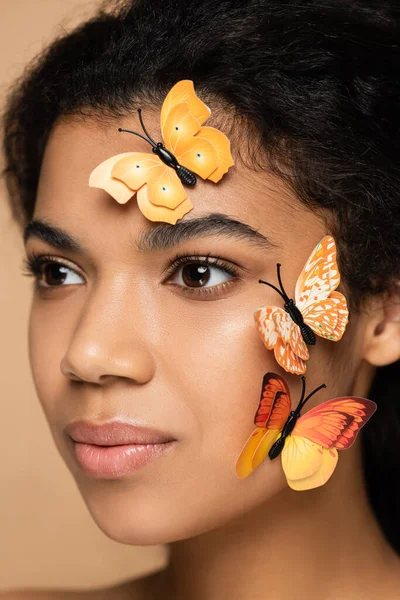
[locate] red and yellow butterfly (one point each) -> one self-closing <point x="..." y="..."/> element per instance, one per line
<point x="317" y="309"/>
<point x="157" y="177"/>
<point x="308" y="444"/>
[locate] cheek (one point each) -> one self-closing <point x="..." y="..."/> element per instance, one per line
<point x="44" y="345"/>
<point x="219" y="363"/>
<point x="51" y="328"/>
<point x="216" y="366"/>
<point x="213" y="368"/>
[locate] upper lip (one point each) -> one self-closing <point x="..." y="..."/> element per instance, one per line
<point x="114" y="433"/>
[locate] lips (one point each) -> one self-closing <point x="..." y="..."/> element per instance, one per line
<point x="115" y="433"/>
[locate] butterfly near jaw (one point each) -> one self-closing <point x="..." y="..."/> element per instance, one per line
<point x="309" y="443"/>
<point x="316" y="310"/>
<point x="290" y="424"/>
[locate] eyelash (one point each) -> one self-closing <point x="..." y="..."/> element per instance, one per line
<point x="33" y="263"/>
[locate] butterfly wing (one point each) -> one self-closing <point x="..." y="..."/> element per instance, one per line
<point x="164" y="186"/>
<point x="183" y="93"/>
<point x="161" y="213"/>
<point x="244" y="464"/>
<point x="328" y="317"/>
<point x="306" y="465"/>
<point x="222" y="147"/>
<point x="281" y="408"/>
<point x="101" y="178"/>
<point x="279" y="332"/>
<point x="335" y="423"/>
<point x="310" y="453"/>
<point x="271" y="413"/>
<point x="161" y="195"/>
<point x="207" y="153"/>
<point x="270" y="417"/>
<point x="323" y="309"/>
<point x="180" y="126"/>
<point x="320" y="275"/>
<point x="203" y="150"/>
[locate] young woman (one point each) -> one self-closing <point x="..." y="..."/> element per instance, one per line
<point x="152" y="323"/>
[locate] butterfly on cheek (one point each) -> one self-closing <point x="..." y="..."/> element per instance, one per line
<point x="308" y="444"/>
<point x="317" y="309"/>
<point x="158" y="178"/>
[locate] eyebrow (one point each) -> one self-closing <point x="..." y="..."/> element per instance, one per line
<point x="162" y="237"/>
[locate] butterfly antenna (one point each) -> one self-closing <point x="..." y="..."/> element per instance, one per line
<point x="312" y="394"/>
<point x="303" y="391"/>
<point x="272" y="286"/>
<point x="284" y="294"/>
<point x="144" y="128"/>
<point x="136" y="133"/>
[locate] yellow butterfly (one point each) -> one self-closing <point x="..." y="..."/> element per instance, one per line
<point x="308" y="444"/>
<point x="158" y="178"/>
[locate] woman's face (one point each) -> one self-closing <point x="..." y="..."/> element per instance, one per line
<point x="127" y="333"/>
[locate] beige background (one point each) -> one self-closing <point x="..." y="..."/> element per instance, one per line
<point x="47" y="537"/>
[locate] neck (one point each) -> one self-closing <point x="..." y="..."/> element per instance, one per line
<point x="318" y="544"/>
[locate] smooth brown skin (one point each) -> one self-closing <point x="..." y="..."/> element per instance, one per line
<point x="120" y="341"/>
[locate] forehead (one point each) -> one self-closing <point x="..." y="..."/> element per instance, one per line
<point x="76" y="147"/>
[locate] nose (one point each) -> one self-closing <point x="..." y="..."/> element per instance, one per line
<point x="113" y="337"/>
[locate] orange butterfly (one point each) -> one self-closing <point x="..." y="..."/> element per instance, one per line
<point x="157" y="178"/>
<point x="308" y="444"/>
<point x="317" y="309"/>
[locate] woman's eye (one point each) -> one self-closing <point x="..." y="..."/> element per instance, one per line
<point x="201" y="275"/>
<point x="50" y="273"/>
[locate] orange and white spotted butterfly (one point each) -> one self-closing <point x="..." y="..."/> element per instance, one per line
<point x="157" y="178"/>
<point x="316" y="309"/>
<point x="308" y="444"/>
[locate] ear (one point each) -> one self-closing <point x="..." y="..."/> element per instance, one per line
<point x="382" y="333"/>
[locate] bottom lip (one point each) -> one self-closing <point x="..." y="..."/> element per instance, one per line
<point x="112" y="462"/>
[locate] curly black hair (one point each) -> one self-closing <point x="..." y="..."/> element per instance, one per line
<point x="316" y="84"/>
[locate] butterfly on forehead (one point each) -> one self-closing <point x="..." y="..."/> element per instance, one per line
<point x="157" y="178"/>
<point x="317" y="309"/>
<point x="307" y="444"/>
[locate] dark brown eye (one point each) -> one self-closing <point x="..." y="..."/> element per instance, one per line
<point x="192" y="274"/>
<point x="54" y="274"/>
<point x="50" y="273"/>
<point x="196" y="275"/>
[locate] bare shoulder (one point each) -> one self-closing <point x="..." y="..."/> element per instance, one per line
<point x="51" y="594"/>
<point x="141" y="588"/>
